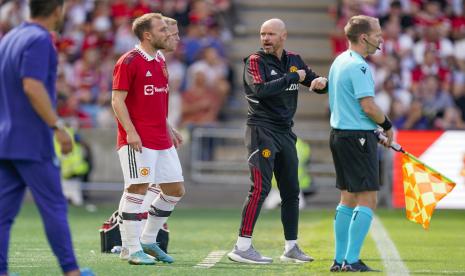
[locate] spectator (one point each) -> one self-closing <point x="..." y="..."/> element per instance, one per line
<point x="90" y="83"/>
<point x="430" y="66"/>
<point x="95" y="31"/>
<point x="409" y="72"/>
<point x="433" y="98"/>
<point x="451" y="119"/>
<point x="201" y="103"/>
<point x="214" y="68"/>
<point x="432" y="15"/>
<point x="124" y="37"/>
<point x="414" y="119"/>
<point x="432" y="40"/>
<point x="177" y="70"/>
<point x="396" y="14"/>
<point x="12" y="13"/>
<point x="386" y="97"/>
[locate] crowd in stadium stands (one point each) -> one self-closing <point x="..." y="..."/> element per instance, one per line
<point x="97" y="32"/>
<point x="420" y="72"/>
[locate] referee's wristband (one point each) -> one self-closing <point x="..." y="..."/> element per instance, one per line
<point x="386" y="125"/>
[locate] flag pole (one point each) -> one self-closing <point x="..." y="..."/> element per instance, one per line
<point x="396" y="147"/>
<point x="415" y="210"/>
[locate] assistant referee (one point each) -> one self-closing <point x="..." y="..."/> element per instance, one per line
<point x="354" y="117"/>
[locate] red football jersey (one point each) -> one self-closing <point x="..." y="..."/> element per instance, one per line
<point x="145" y="78"/>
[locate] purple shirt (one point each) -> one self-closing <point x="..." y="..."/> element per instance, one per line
<point x="25" y="51"/>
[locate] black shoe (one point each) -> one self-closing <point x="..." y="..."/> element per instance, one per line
<point x="357" y="267"/>
<point x="335" y="267"/>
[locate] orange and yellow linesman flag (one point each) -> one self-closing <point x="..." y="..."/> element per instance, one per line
<point x="424" y="187"/>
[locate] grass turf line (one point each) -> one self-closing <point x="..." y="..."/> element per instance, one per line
<point x="197" y="232"/>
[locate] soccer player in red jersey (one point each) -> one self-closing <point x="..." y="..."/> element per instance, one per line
<point x="154" y="189"/>
<point x="146" y="142"/>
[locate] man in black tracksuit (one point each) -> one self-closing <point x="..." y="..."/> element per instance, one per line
<point x="271" y="81"/>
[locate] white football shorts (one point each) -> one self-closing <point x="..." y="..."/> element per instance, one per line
<point x="150" y="166"/>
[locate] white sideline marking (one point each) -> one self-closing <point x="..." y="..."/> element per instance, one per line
<point x="462" y="272"/>
<point x="211" y="259"/>
<point x="393" y="264"/>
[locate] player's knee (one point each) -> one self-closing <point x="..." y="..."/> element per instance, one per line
<point x="176" y="190"/>
<point x="140" y="189"/>
<point x="180" y="192"/>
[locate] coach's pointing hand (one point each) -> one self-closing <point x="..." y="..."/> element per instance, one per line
<point x="134" y="141"/>
<point x="318" y="84"/>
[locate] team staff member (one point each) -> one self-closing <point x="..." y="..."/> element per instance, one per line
<point x="145" y="139"/>
<point x="354" y="117"/>
<point x="271" y="81"/>
<point x="28" y="69"/>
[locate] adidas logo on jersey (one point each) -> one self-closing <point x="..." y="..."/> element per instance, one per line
<point x="148" y="74"/>
<point x="273" y="72"/>
<point x="362" y="141"/>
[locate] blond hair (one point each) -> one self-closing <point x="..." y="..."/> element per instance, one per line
<point x="170" y="21"/>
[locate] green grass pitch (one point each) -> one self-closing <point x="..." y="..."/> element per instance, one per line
<point x="197" y="232"/>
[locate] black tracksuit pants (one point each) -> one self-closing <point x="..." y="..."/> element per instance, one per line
<point x="271" y="151"/>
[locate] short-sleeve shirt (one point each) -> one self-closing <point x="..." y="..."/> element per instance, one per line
<point x="27" y="51"/>
<point x="145" y="79"/>
<point x="350" y="79"/>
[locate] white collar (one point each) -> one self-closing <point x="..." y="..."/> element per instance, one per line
<point x="145" y="55"/>
<point x="160" y="55"/>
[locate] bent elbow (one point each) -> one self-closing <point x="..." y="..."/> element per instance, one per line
<point x="369" y="110"/>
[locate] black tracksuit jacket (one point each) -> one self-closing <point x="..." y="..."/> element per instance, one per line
<point x="271" y="88"/>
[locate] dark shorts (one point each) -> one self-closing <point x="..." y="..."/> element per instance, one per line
<point x="355" y="159"/>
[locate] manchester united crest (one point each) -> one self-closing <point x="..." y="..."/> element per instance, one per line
<point x="144" y="171"/>
<point x="266" y="153"/>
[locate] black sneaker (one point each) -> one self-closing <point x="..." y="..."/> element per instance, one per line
<point x="335" y="267"/>
<point x="357" y="267"/>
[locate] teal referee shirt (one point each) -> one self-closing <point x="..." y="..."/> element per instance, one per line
<point x="350" y="79"/>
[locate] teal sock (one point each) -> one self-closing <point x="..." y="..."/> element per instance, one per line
<point x="359" y="226"/>
<point x="341" y="231"/>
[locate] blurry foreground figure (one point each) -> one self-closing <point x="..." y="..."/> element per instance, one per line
<point x="28" y="122"/>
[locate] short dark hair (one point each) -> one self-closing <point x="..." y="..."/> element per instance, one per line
<point x="144" y="23"/>
<point x="357" y="25"/>
<point x="44" y="8"/>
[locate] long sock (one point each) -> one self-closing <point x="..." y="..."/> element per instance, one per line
<point x="289" y="244"/>
<point x="131" y="220"/>
<point x="159" y="212"/>
<point x="152" y="192"/>
<point x="341" y="231"/>
<point x="243" y="243"/>
<point x="359" y="226"/>
<point x="120" y="221"/>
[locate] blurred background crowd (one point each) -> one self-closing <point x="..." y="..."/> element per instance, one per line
<point x="420" y="72"/>
<point x="96" y="33"/>
<point x="419" y="75"/>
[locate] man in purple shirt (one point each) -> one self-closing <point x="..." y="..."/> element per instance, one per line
<point x="28" y="121"/>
